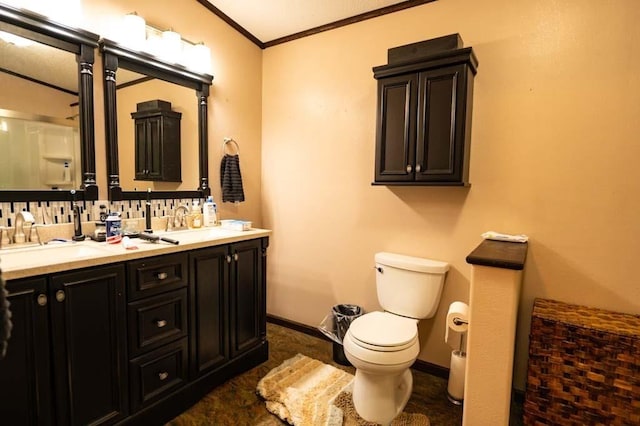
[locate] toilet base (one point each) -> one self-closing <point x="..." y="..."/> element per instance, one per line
<point x="381" y="398"/>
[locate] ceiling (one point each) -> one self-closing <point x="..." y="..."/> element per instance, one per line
<point x="271" y="20"/>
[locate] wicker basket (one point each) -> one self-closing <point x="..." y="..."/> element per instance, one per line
<point x="584" y="366"/>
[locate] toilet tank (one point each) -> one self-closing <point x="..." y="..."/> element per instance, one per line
<point x="409" y="286"/>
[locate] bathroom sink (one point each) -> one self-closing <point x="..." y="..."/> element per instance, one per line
<point x="47" y="254"/>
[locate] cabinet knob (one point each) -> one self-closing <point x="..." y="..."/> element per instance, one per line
<point x="409" y="168"/>
<point x="60" y="296"/>
<point x="228" y="259"/>
<point x="42" y="299"/>
<point x="418" y="168"/>
<point x="162" y="276"/>
<point x="161" y="323"/>
<point x="163" y="375"/>
<point x="235" y="256"/>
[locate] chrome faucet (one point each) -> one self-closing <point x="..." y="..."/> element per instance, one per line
<point x="179" y="219"/>
<point x="22" y="217"/>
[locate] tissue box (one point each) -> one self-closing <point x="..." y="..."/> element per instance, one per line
<point x="236" y="225"/>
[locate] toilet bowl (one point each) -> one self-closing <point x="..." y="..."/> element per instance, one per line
<point x="382" y="345"/>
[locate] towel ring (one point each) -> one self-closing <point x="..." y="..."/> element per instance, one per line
<point x="227" y="141"/>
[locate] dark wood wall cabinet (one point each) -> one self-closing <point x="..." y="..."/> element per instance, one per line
<point x="425" y="96"/>
<point x="135" y="342"/>
<point x="157" y="142"/>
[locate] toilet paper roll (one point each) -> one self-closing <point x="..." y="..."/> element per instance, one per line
<point x="456" y="324"/>
<point x="455" y="387"/>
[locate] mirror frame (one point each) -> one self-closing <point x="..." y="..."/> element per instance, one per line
<point x="117" y="56"/>
<point x="82" y="43"/>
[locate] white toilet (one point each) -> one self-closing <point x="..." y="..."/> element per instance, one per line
<point x="383" y="345"/>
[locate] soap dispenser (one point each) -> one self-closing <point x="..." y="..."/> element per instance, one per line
<point x="196" y="215"/>
<point x="209" y="212"/>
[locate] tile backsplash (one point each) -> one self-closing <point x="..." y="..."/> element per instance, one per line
<point x="61" y="211"/>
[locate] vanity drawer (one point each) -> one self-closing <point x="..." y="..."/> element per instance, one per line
<point x="156" y="275"/>
<point x="157" y="320"/>
<point x="157" y="373"/>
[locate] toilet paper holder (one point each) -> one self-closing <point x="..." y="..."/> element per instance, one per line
<point x="460" y="321"/>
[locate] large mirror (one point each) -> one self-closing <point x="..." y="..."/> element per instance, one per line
<point x="46" y="109"/>
<point x="140" y="87"/>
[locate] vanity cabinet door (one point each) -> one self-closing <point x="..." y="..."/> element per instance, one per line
<point x="247" y="298"/>
<point x="89" y="328"/>
<point x="208" y="306"/>
<point x="25" y="383"/>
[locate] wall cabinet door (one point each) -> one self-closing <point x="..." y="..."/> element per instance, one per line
<point x="396" y="130"/>
<point x="443" y="115"/>
<point x="208" y="301"/>
<point x="88" y="325"/>
<point x="25" y="383"/>
<point x="247" y="299"/>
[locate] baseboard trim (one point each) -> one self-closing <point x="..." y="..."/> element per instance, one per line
<point x="297" y="326"/>
<point x="424" y="366"/>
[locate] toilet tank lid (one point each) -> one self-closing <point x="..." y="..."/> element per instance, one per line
<point x="411" y="263"/>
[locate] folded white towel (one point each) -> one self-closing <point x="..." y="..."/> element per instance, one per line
<point x="492" y="235"/>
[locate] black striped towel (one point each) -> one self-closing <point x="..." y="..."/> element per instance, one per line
<point x="231" y="179"/>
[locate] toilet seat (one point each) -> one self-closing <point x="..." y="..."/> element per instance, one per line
<point x="383" y="338"/>
<point x="383" y="331"/>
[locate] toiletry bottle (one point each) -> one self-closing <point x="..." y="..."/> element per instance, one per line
<point x="66" y="173"/>
<point x="209" y="213"/>
<point x="196" y="215"/>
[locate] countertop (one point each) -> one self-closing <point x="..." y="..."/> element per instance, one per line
<point x="56" y="257"/>
<point x="499" y="254"/>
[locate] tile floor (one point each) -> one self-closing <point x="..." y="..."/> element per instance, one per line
<point x="236" y="403"/>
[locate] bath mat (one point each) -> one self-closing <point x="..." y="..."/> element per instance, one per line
<point x="303" y="391"/>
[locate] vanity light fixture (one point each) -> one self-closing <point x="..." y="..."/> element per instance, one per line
<point x="198" y="58"/>
<point x="168" y="45"/>
<point x="134" y="31"/>
<point x="68" y="12"/>
<point x="171" y="46"/>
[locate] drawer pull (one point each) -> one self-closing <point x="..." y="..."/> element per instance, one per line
<point x="161" y="323"/>
<point x="162" y="276"/>
<point x="163" y="375"/>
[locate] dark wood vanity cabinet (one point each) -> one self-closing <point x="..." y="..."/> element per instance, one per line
<point x="424" y="117"/>
<point x="228" y="302"/>
<point x="25" y="372"/>
<point x="133" y="343"/>
<point x="65" y="362"/>
<point x="157" y="327"/>
<point x="157" y="144"/>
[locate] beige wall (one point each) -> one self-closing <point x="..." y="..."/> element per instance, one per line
<point x="234" y="103"/>
<point x="553" y="155"/>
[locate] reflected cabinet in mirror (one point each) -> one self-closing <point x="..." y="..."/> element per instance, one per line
<point x="156" y="126"/>
<point x="46" y="109"/>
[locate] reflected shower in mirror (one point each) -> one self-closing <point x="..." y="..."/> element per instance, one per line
<point x="46" y="108"/>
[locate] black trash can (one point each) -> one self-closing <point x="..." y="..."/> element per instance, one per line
<point x="343" y="316"/>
